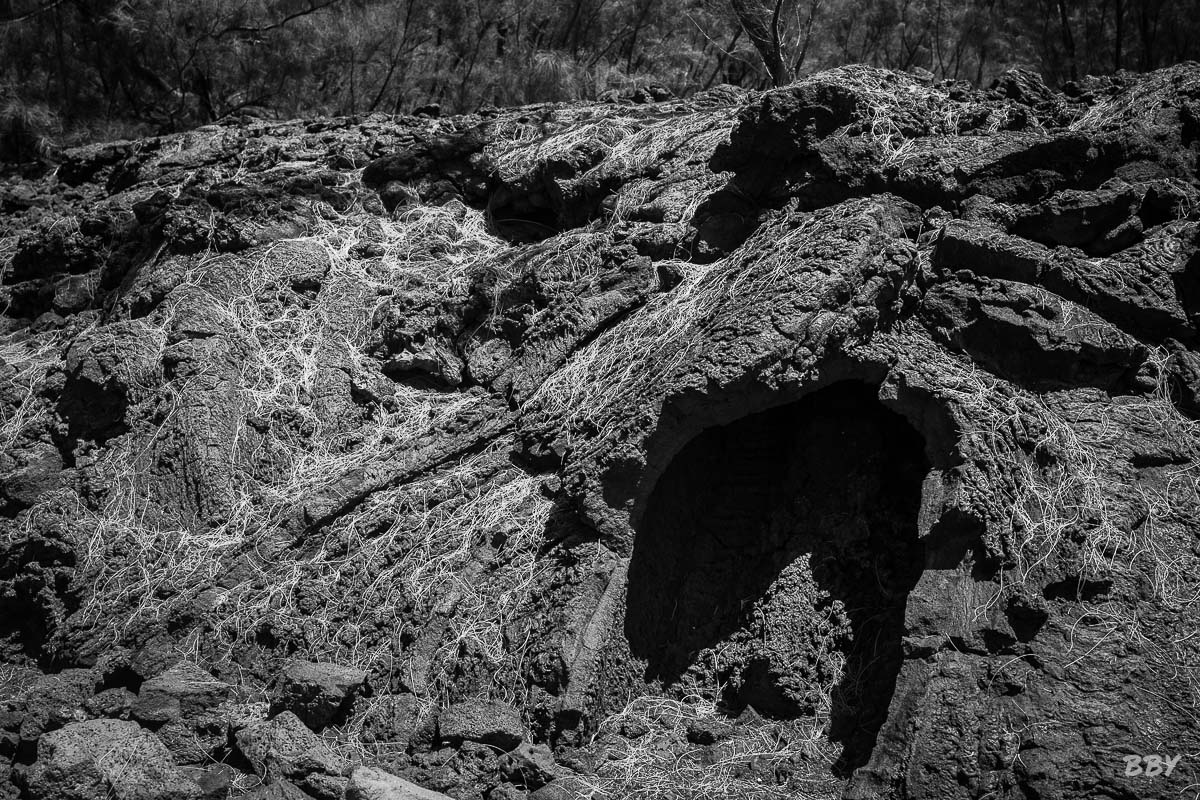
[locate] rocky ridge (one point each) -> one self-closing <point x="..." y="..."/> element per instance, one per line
<point x="836" y="440"/>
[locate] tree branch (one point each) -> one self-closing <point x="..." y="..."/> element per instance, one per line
<point x="312" y="9"/>
<point x="751" y="15"/>
<point x="50" y="6"/>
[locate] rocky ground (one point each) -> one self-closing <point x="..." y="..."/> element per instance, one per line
<point x="833" y="441"/>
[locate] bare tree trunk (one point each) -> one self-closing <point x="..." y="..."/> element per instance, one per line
<point x="813" y="7"/>
<point x="1148" y="28"/>
<point x="643" y="13"/>
<point x="752" y="16"/>
<point x="1068" y="39"/>
<point x="1118" y="34"/>
<point x="937" y="41"/>
<point x="60" y="58"/>
<point x="722" y="57"/>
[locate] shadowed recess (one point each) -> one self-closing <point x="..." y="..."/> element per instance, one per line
<point x="776" y="555"/>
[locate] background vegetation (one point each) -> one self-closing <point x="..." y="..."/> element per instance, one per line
<point x="79" y="70"/>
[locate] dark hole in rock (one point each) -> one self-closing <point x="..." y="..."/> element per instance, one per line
<point x="778" y="553"/>
<point x="1077" y="589"/>
<point x="93" y="411"/>
<point x="1026" y="617"/>
<point x="122" y="677"/>
<point x="25" y="628"/>
<point x="522" y="217"/>
<point x="957" y="538"/>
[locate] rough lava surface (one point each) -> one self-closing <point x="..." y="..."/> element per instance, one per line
<point x="833" y="441"/>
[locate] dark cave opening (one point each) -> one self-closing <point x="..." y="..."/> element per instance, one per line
<point x="93" y="411"/>
<point x="778" y="553"/>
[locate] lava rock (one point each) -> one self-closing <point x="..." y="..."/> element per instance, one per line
<point x="115" y="703"/>
<point x="506" y="791"/>
<point x="633" y="728"/>
<point x="83" y="164"/>
<point x="182" y="691"/>
<point x="1032" y="336"/>
<point x="278" y="790"/>
<point x="158" y="357"/>
<point x="284" y="747"/>
<point x="529" y="765"/>
<point x="1184" y="370"/>
<point x="325" y="787"/>
<point x="395" y="719"/>
<point x="40" y="472"/>
<point x="317" y="692"/>
<point x="494" y="724"/>
<point x="74" y="293"/>
<point x="215" y="780"/>
<point x="708" y="731"/>
<point x="566" y="788"/>
<point x="368" y="783"/>
<point x="54" y="701"/>
<point x="1100" y="222"/>
<point x="987" y="250"/>
<point x="106" y="759"/>
<point x="787" y="122"/>
<point x="197" y="739"/>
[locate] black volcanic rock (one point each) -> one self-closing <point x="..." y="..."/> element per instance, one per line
<point x="317" y="692"/>
<point x="181" y="692"/>
<point x="106" y="759"/>
<point x="493" y="724"/>
<point x="850" y="424"/>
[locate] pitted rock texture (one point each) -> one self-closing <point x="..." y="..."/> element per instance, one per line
<point x="589" y="450"/>
<point x="317" y="693"/>
<point x="106" y="758"/>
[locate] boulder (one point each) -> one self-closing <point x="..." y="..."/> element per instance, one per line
<point x="316" y="692"/>
<point x="10" y="737"/>
<point x="325" y="787"/>
<point x="284" y="747"/>
<point x="182" y="691"/>
<point x="74" y="293"/>
<point x="987" y="250"/>
<point x="529" y="765"/>
<point x="39" y="471"/>
<point x="116" y="703"/>
<point x="368" y="783"/>
<point x="196" y="740"/>
<point x="507" y="791"/>
<point x="215" y="780"/>
<point x="54" y="701"/>
<point x="1031" y="335"/>
<point x="708" y="731"/>
<point x="396" y="720"/>
<point x="494" y="724"/>
<point x="106" y="759"/>
<point x="1099" y="222"/>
